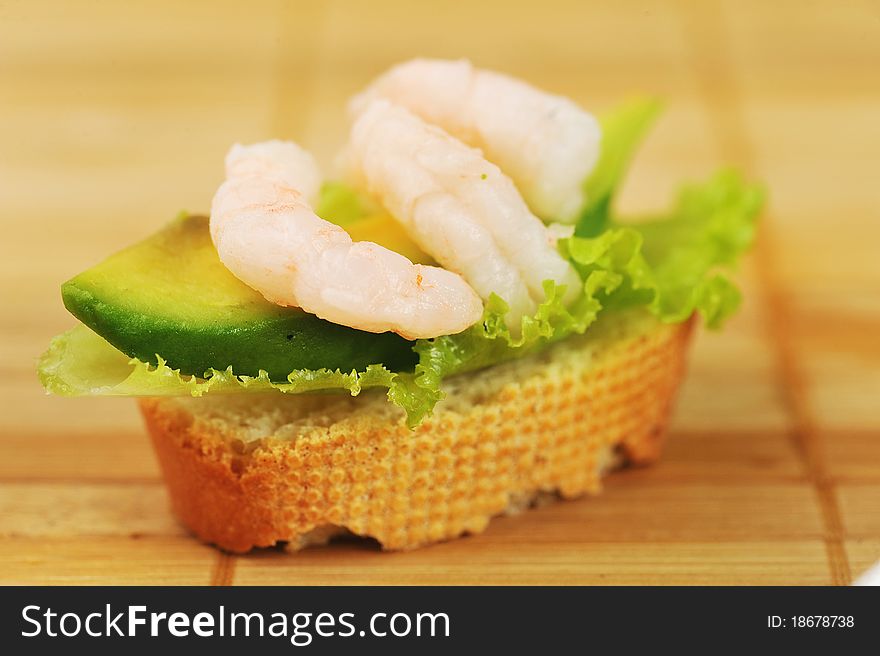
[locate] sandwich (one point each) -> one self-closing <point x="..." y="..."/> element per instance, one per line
<point x="460" y="326"/>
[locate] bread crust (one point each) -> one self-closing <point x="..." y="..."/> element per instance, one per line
<point x="552" y="423"/>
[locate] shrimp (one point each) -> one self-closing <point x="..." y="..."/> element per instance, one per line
<point x="545" y="143"/>
<point x="268" y="236"/>
<point x="457" y="206"/>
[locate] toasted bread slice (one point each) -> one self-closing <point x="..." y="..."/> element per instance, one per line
<point x="250" y="471"/>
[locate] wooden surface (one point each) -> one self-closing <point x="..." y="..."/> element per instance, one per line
<point x="113" y="116"/>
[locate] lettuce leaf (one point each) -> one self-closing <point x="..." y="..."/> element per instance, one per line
<point x="622" y="132"/>
<point x="712" y="225"/>
<point x="673" y="265"/>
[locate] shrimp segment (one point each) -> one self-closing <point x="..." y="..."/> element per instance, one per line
<point x="268" y="236"/>
<point x="277" y="160"/>
<point x="545" y="143"/>
<point x="457" y="206"/>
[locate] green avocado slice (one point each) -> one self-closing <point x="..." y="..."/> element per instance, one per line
<point x="170" y="295"/>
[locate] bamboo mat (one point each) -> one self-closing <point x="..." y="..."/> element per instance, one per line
<point x="114" y="116"/>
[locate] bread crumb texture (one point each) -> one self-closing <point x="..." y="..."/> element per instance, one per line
<point x="248" y="471"/>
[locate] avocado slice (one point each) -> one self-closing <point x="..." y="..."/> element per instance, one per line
<point x="170" y="295"/>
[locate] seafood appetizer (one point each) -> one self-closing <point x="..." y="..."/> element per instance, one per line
<point x="458" y="324"/>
